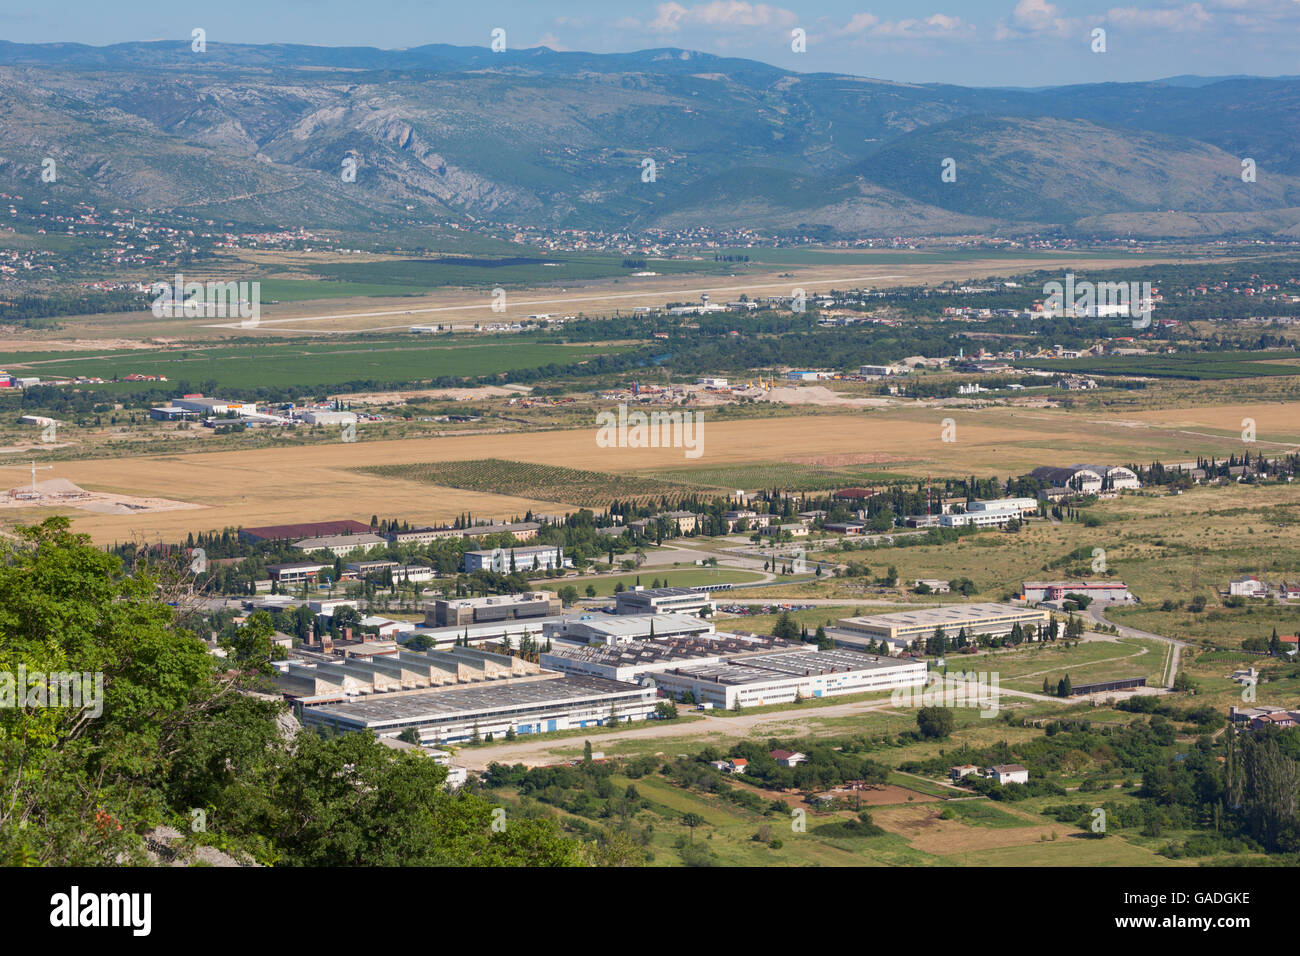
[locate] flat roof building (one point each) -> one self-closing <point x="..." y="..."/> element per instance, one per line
<point x="778" y="678"/>
<point x="907" y="626"/>
<point x="604" y="629"/>
<point x="1108" y="591"/>
<point x="458" y="612"/>
<point x="630" y="660"/>
<point x="294" y="572"/>
<point x="639" y="600"/>
<point x="458" y="714"/>
<point x="523" y="560"/>
<point x="340" y="544"/>
<point x="522" y="531"/>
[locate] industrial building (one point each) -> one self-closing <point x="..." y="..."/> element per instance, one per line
<point x="309" y="529"/>
<point x="294" y="572"/>
<point x="340" y="544"/>
<point x="904" y="627"/>
<point x="630" y="660"/>
<point x="213" y="406"/>
<point x="1026" y="506"/>
<point x="319" y="416"/>
<point x="604" y="629"/>
<point x="1088" y="479"/>
<point x="1106" y="591"/>
<point x="984" y="514"/>
<point x="780" y="678"/>
<point x="639" y="600"/>
<point x="523" y="560"/>
<point x="539" y="704"/>
<point x="374" y="671"/>
<point x="458" y="612"/>
<point x="521" y="530"/>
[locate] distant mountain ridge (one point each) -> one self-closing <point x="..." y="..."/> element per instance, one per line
<point x="259" y="134"/>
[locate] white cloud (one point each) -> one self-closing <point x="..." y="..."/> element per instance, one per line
<point x="1193" y="16"/>
<point x="1037" y="18"/>
<point x="552" y="41"/>
<point x="867" y="25"/>
<point x="721" y="15"/>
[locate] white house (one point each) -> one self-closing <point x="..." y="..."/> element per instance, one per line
<point x="1248" y="586"/>
<point x="787" y="758"/>
<point x="1005" y="773"/>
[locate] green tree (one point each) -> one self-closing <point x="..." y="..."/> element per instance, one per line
<point x="692" y="820"/>
<point x="935" y="722"/>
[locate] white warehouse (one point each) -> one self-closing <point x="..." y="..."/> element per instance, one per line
<point x="523" y="560"/>
<point x="781" y="678"/>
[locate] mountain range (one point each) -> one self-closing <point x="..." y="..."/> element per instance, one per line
<point x="259" y="134"/>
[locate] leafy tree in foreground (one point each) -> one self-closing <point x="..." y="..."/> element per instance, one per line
<point x="173" y="731"/>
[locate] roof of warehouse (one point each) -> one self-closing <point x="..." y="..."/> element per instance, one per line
<point x="638" y="624"/>
<point x="486" y="696"/>
<point x="746" y="670"/>
<point x="662" y="592"/>
<point x="945" y="614"/>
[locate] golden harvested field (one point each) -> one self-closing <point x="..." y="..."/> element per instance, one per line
<point x="320" y="482"/>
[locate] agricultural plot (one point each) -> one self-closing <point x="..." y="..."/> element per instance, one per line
<point x="307" y="365"/>
<point x="728" y="832"/>
<point x="1196" y="366"/>
<point x="588" y="489"/>
<point x="790" y="476"/>
<point x="426" y="274"/>
<point x="1090" y="662"/>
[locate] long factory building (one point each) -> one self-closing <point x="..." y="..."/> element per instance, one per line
<point x="904" y="627"/>
<point x="451" y="695"/>
<point x="630" y="660"/>
<point x="454" y="715"/>
<point x="786" y="676"/>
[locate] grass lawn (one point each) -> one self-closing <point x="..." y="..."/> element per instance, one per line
<point x="983" y="813"/>
<point x="1026" y="667"/>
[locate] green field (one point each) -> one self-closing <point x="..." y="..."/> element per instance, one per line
<point x="728" y="833"/>
<point x="1089" y="662"/>
<point x="418" y="275"/>
<point x="308" y="365"/>
<point x="983" y="813"/>
<point x="789" y="476"/>
<point x="1197" y="366"/>
<point x="526" y="479"/>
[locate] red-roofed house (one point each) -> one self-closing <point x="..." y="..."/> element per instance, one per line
<point x="1280" y="719"/>
<point x="737" y="765"/>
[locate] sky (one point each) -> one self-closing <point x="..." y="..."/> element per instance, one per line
<point x="967" y="42"/>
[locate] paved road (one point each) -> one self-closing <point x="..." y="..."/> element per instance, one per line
<point x="1097" y="613"/>
<point x="782" y="723"/>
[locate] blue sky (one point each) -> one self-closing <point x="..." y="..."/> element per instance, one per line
<point x="970" y="42"/>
